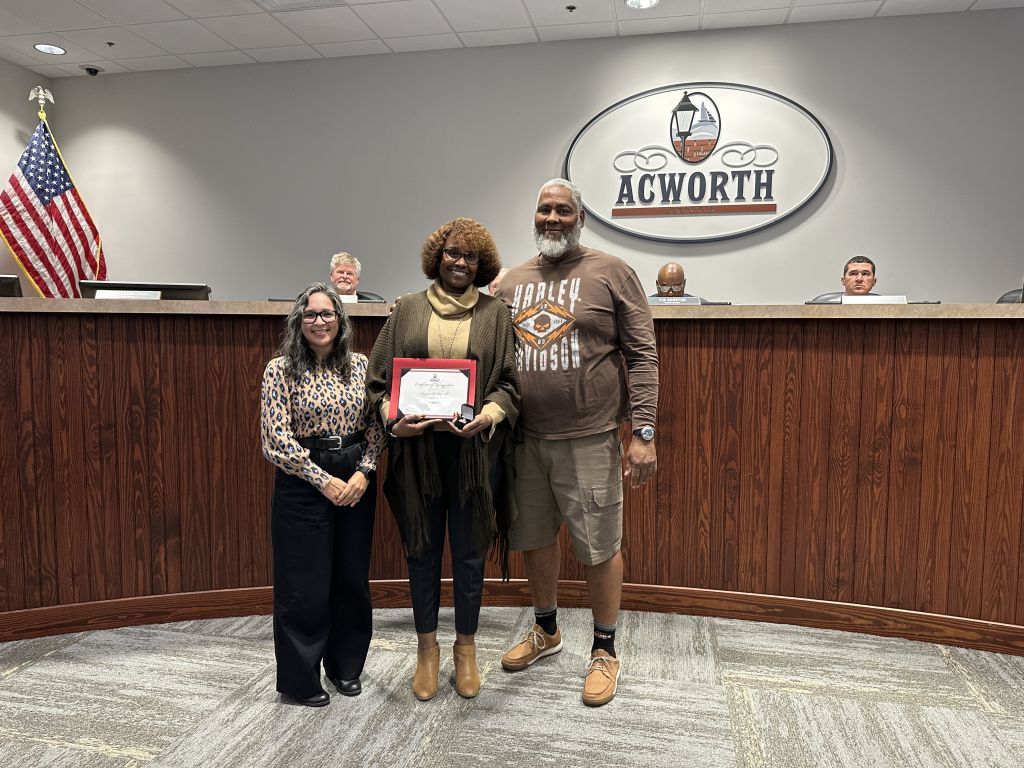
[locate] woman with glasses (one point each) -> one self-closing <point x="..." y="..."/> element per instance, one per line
<point x="446" y="474"/>
<point x="319" y="432"/>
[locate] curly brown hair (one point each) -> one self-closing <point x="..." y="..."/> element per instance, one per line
<point x="474" y="237"/>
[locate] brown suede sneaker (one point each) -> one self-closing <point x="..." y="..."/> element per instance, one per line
<point x="602" y="678"/>
<point x="536" y="644"/>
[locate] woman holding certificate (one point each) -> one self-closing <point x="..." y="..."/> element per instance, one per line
<point x="324" y="440"/>
<point x="443" y="376"/>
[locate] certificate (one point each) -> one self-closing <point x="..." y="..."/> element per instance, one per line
<point x="437" y="388"/>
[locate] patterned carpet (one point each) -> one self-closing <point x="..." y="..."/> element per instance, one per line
<point x="694" y="692"/>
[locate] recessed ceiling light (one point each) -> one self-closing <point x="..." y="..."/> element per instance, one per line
<point x="54" y="50"/>
<point x="641" y="5"/>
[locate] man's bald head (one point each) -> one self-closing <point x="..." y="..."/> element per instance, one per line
<point x="671" y="280"/>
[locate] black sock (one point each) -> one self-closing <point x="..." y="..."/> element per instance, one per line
<point x="604" y="638"/>
<point x="547" y="618"/>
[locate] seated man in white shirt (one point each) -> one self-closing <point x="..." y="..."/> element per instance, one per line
<point x="345" y="271"/>
<point x="858" y="279"/>
<point x="859" y="276"/>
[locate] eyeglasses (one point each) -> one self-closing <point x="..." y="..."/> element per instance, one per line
<point x="670" y="288"/>
<point x="328" y="316"/>
<point x="455" y="254"/>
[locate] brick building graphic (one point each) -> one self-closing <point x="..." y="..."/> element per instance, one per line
<point x="694" y="127"/>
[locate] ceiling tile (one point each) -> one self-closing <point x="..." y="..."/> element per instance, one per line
<point x="423" y="43"/>
<point x="987" y="5"/>
<point x="743" y="19"/>
<point x="107" y="67"/>
<point x="657" y="26"/>
<point x="662" y="9"/>
<point x="15" y="25"/>
<point x="549" y="12"/>
<point x="201" y="9"/>
<point x="474" y="15"/>
<point x="577" y="31"/>
<point x="181" y="36"/>
<point x="285" y="53"/>
<point x="499" y="37"/>
<point x="217" y="59"/>
<point x="403" y="18"/>
<point x="134" y="11"/>
<point x="48" y="70"/>
<point x="833" y="12"/>
<point x="827" y="2"/>
<point x="735" y="6"/>
<point x="326" y="25"/>
<point x="56" y="15"/>
<point x="907" y="7"/>
<point x="360" y="48"/>
<point x="126" y="45"/>
<point x="23" y="45"/>
<point x="150" y="63"/>
<point x="20" y="58"/>
<point x="252" y="31"/>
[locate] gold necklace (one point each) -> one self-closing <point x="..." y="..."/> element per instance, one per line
<point x="447" y="354"/>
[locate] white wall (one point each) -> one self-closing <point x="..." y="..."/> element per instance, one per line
<point x="250" y="177"/>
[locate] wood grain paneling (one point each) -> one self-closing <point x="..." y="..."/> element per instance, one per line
<point x="854" y="460"/>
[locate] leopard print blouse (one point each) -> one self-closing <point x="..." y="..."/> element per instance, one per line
<point x="319" y="403"/>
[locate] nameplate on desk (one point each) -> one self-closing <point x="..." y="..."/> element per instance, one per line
<point x="348" y="298"/>
<point x="111" y="293"/>
<point x="894" y="299"/>
<point x="661" y="301"/>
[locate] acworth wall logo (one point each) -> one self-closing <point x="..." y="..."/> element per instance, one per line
<point x="734" y="159"/>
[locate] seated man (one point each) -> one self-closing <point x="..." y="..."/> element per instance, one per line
<point x="671" y="283"/>
<point x="859" y="276"/>
<point x="858" y="279"/>
<point x="493" y="287"/>
<point x="345" y="272"/>
<point x="671" y="280"/>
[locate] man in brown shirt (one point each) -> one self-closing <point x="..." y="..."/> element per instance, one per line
<point x="587" y="363"/>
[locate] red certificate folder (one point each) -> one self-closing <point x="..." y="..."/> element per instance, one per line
<point x="403" y="366"/>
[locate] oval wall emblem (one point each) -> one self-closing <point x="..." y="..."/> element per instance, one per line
<point x="735" y="159"/>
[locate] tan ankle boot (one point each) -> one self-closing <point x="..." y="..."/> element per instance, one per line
<point x="467" y="678"/>
<point x="424" y="682"/>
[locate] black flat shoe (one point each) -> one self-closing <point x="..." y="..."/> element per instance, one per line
<point x="348" y="687"/>
<point x="321" y="699"/>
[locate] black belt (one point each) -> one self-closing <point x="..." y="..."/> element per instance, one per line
<point x="331" y="442"/>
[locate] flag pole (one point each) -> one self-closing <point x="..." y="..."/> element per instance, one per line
<point x="44" y="221"/>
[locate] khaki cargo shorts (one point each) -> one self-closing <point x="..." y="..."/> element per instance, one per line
<point x="576" y="481"/>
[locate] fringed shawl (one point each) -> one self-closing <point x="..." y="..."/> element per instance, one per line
<point x="412" y="479"/>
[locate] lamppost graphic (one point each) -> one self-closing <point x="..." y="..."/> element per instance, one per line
<point x="683" y="115"/>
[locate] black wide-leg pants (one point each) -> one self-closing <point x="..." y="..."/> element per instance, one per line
<point x="322" y="609"/>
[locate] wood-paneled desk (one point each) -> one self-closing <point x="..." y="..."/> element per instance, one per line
<point x="846" y="467"/>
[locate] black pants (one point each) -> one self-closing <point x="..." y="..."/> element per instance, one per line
<point x="467" y="564"/>
<point x="322" y="605"/>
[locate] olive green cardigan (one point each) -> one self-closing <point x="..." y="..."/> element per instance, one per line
<point x="411" y="480"/>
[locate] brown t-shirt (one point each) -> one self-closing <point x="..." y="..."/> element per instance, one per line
<point x="585" y="340"/>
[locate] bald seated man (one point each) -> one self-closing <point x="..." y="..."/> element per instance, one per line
<point x="671" y="280"/>
<point x="493" y="287"/>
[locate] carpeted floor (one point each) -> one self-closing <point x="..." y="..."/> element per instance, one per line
<point x="694" y="692"/>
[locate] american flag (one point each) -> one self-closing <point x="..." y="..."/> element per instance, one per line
<point x="45" y="223"/>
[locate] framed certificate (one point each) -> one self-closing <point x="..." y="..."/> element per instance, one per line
<point x="435" y="387"/>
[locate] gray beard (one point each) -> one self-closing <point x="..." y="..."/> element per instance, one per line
<point x="555" y="250"/>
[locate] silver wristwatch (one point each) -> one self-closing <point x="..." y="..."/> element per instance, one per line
<point x="644" y="433"/>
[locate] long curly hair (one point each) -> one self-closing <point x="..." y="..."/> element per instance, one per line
<point x="475" y="238"/>
<point x="299" y="358"/>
